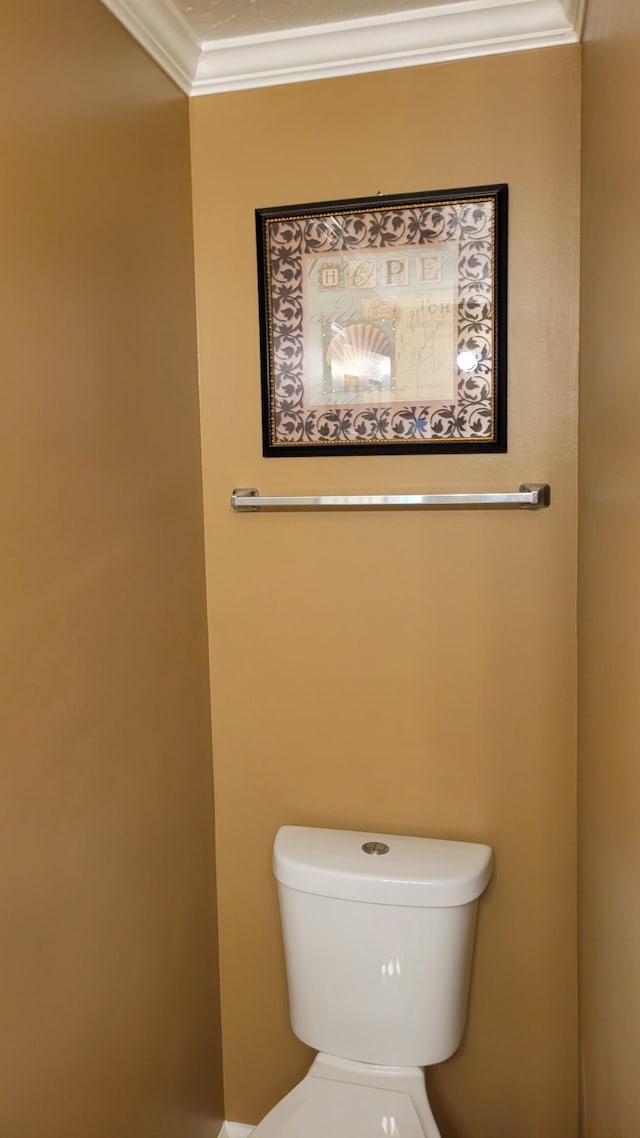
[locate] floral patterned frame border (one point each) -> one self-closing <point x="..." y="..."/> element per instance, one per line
<point x="472" y="221"/>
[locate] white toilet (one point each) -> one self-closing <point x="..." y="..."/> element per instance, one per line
<point x="378" y="934"/>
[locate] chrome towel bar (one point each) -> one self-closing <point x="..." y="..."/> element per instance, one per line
<point x="530" y="496"/>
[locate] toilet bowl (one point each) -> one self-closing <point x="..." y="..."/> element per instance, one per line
<point x="378" y="936"/>
<point x="342" y="1099"/>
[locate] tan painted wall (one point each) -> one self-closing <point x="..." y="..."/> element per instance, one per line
<point x="107" y="931"/>
<point x="409" y="672"/>
<point x="609" y="570"/>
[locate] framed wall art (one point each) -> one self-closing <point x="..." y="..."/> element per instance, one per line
<point x="383" y="324"/>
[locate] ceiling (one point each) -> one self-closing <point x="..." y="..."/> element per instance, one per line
<point x="220" y="19"/>
<point x="209" y="46"/>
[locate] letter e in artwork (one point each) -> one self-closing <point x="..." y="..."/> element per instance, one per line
<point x="430" y="268"/>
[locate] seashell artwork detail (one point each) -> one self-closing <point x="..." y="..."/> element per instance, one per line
<point x="360" y="354"/>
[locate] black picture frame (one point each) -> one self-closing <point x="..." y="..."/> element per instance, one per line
<point x="383" y="324"/>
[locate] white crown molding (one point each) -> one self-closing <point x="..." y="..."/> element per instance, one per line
<point x="406" y="39"/>
<point x="432" y="35"/>
<point x="576" y="12"/>
<point x="164" y="34"/>
<point x="235" y="1130"/>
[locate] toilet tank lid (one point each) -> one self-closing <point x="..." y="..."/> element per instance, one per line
<point x="427" y="873"/>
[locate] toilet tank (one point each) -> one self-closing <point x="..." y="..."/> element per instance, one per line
<point x="378" y="945"/>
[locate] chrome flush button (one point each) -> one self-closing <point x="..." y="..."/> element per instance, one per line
<point x="375" y="848"/>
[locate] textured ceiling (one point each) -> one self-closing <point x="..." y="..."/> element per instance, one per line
<point x="223" y="19"/>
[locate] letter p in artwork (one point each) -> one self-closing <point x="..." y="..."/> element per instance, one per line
<point x="396" y="271"/>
